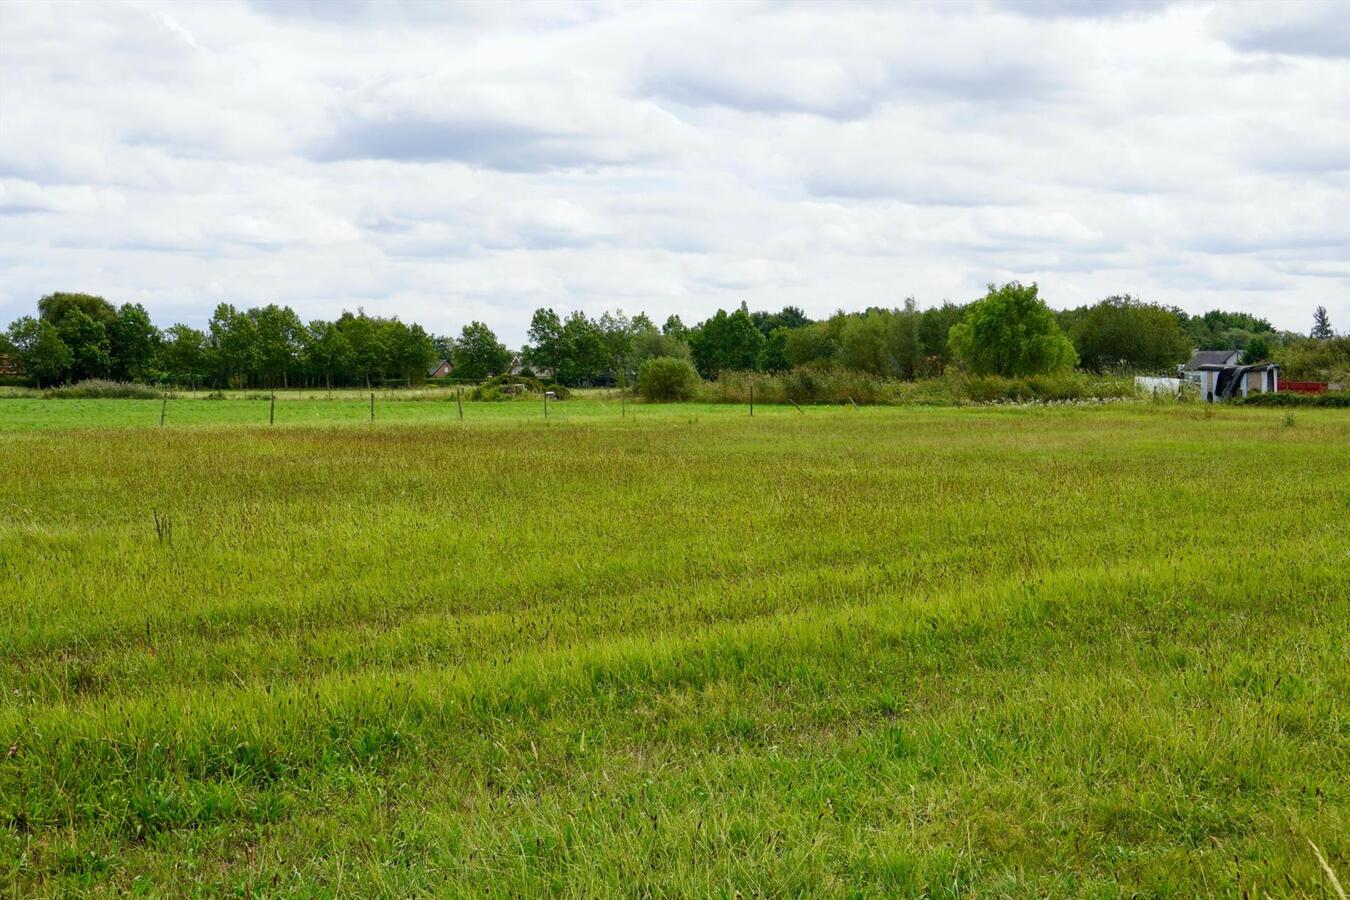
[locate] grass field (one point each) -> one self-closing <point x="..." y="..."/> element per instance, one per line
<point x="1031" y="652"/>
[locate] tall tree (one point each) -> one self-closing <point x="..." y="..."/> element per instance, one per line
<point x="326" y="350"/>
<point x="1122" y="331"/>
<point x="1322" y="324"/>
<point x="545" y="348"/>
<point x="363" y="344"/>
<point x="478" y="353"/>
<point x="277" y="336"/>
<point x="583" y="350"/>
<point x="726" y="342"/>
<point x="134" y="343"/>
<point x="1011" y="332"/>
<point x="88" y="343"/>
<point x="54" y="307"/>
<point x="232" y="346"/>
<point x="183" y="354"/>
<point x="408" y="350"/>
<point x="44" y="355"/>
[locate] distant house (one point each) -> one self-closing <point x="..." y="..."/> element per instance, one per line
<point x="1211" y="358"/>
<point x="442" y="369"/>
<point x="520" y="366"/>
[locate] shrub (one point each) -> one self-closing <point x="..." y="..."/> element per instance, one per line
<point x="501" y="383"/>
<point x="104" y="390"/>
<point x="1064" y="386"/>
<point x="664" y="378"/>
<point x="1334" y="399"/>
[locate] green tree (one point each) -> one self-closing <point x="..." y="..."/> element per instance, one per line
<point x="232" y="346"/>
<point x="88" y="343"/>
<point x="183" y="353"/>
<point x="53" y="307"/>
<point x="365" y="354"/>
<point x="44" y="355"/>
<point x="726" y="342"/>
<point x="545" y="348"/>
<point x="675" y="328"/>
<point x="1322" y="324"/>
<point x="1121" y="331"/>
<point x="326" y="350"/>
<point x="773" y="358"/>
<point x="813" y="345"/>
<point x="788" y="317"/>
<point x="1257" y="351"/>
<point x="134" y="343"/>
<point x="409" y="350"/>
<point x="649" y="342"/>
<point x="478" y="353"/>
<point x="1011" y="332"/>
<point x="935" y="326"/>
<point x="277" y="336"/>
<point x="584" y="353"/>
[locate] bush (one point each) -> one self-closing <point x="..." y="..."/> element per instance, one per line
<point x="1043" y="388"/>
<point x="501" y="385"/>
<point x="1333" y="399"/>
<point x="665" y="378"/>
<point x="104" y="390"/>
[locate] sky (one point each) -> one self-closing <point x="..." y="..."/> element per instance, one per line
<point x="445" y="163"/>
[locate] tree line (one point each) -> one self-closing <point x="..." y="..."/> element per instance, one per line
<point x="1010" y="331"/>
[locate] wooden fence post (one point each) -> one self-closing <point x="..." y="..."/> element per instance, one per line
<point x="459" y="401"/>
<point x="372" y="406"/>
<point x="752" y="398"/>
<point x="272" y="410"/>
<point x="163" y="408"/>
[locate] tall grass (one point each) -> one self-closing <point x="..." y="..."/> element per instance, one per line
<point x="687" y="652"/>
<point x="841" y="386"/>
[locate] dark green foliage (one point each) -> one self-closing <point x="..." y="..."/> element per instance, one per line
<point x="545" y="349"/>
<point x="87" y="338"/>
<point x="788" y="317"/>
<point x="478" y="353"/>
<point x="726" y="342"/>
<point x="1322" y="329"/>
<point x="1331" y="399"/>
<point x="1257" y="351"/>
<point x="1124" y="333"/>
<point x="667" y="378"/>
<point x="44" y="355"/>
<point x="773" y="358"/>
<point x="1220" y="330"/>
<point x="1011" y="333"/>
<point x="134" y="343"/>
<point x="182" y="354"/>
<point x="53" y="307"/>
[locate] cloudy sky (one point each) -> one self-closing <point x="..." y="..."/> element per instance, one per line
<point x="449" y="162"/>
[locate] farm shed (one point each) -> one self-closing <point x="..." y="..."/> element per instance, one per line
<point x="1226" y="382"/>
<point x="442" y="369"/>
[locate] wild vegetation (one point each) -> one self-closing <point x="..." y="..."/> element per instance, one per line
<point x="1075" y="651"/>
<point x="1011" y="332"/>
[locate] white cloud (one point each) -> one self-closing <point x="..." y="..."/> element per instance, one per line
<point x="446" y="162"/>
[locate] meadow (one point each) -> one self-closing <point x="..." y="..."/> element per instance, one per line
<point x="949" y="652"/>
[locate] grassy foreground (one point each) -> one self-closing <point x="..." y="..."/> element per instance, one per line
<point x="1068" y="652"/>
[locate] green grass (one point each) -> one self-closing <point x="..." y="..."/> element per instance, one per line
<point x="1035" y="652"/>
